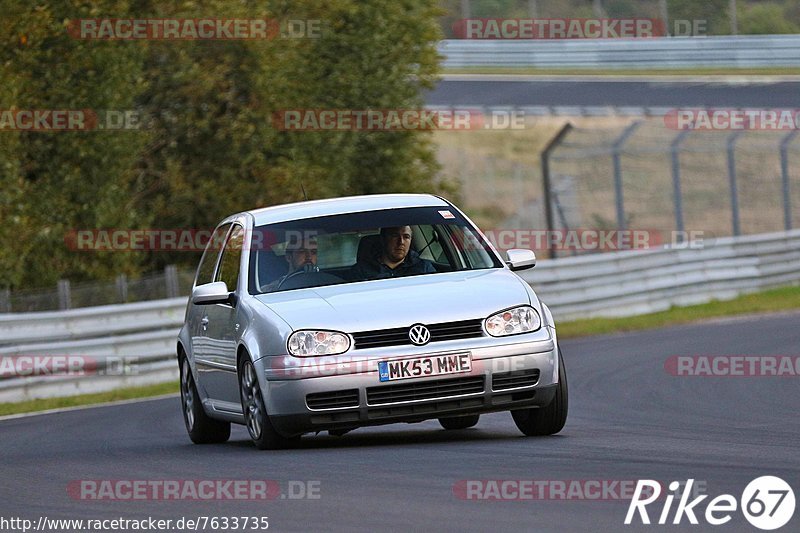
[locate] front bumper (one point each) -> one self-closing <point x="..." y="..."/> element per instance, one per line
<point x="347" y="392"/>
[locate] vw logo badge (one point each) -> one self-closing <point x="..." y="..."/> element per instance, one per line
<point x="419" y="335"/>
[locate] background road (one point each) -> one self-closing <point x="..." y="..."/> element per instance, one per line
<point x="628" y="420"/>
<point x="586" y="92"/>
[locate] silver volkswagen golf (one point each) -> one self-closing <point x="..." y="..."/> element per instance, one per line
<point x="336" y="314"/>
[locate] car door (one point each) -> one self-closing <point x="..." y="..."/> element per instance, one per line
<point x="222" y="327"/>
<point x="197" y="318"/>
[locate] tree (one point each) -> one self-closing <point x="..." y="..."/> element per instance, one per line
<point x="766" y="19"/>
<point x="57" y="181"/>
<point x="714" y="12"/>
<point x="208" y="147"/>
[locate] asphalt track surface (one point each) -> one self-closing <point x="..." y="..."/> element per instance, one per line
<point x="583" y="92"/>
<point x="629" y="419"/>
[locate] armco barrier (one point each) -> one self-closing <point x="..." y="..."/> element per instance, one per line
<point x="743" y="51"/>
<point x="611" y="284"/>
<point x="88" y="322"/>
<point x="636" y="282"/>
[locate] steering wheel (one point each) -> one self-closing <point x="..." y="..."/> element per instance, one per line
<point x="308" y="268"/>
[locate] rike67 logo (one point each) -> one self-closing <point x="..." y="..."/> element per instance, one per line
<point x="767" y="503"/>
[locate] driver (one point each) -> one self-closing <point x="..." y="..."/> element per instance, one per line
<point x="298" y="255"/>
<point x="301" y="256"/>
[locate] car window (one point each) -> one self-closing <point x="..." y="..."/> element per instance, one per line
<point x="350" y="248"/>
<point x="338" y="250"/>
<point x="205" y="272"/>
<point x="231" y="257"/>
<point x="431" y="245"/>
<point x="473" y="252"/>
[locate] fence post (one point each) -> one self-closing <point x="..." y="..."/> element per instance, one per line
<point x="731" y="145"/>
<point x="122" y="288"/>
<point x="5" y="301"/>
<point x="787" y="199"/>
<point x="663" y="10"/>
<point x="546" y="185"/>
<point x="64" y="296"/>
<point x="675" y="152"/>
<point x="171" y="279"/>
<point x="465" y="9"/>
<point x="617" y="149"/>
<point x="519" y="181"/>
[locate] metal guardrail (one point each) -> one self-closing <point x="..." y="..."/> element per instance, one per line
<point x="743" y="51"/>
<point x="636" y="282"/>
<point x="611" y="284"/>
<point x="90" y="322"/>
<point x="127" y="345"/>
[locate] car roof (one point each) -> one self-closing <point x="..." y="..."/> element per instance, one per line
<point x="337" y="206"/>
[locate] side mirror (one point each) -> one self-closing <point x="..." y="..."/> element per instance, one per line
<point x="520" y="259"/>
<point x="211" y="293"/>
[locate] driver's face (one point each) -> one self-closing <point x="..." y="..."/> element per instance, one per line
<point x="306" y="255"/>
<point x="397" y="243"/>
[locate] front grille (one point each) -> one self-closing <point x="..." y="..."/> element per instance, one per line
<point x="515" y="379"/>
<point x="332" y="400"/>
<point x="425" y="390"/>
<point x="445" y="331"/>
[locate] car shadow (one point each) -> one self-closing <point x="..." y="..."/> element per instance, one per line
<point x="364" y="438"/>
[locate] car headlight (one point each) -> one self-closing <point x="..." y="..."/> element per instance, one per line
<point x="313" y="342"/>
<point x="522" y="319"/>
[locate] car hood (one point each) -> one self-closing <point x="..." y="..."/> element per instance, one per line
<point x="399" y="302"/>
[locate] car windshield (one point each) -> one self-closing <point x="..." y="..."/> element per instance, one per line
<point x="357" y="247"/>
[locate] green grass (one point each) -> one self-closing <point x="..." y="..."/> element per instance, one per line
<point x="88" y="399"/>
<point x="783" y="299"/>
<point x="774" y="71"/>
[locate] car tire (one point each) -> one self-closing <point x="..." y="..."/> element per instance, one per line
<point x="459" y="422"/>
<point x="550" y="419"/>
<point x="202" y="428"/>
<point x="262" y="432"/>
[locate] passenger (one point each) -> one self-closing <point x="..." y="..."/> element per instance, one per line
<point x="394" y="258"/>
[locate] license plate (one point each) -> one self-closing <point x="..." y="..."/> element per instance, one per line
<point x="431" y="365"/>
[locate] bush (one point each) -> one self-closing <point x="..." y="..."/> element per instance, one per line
<point x="208" y="148"/>
<point x="765" y="19"/>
